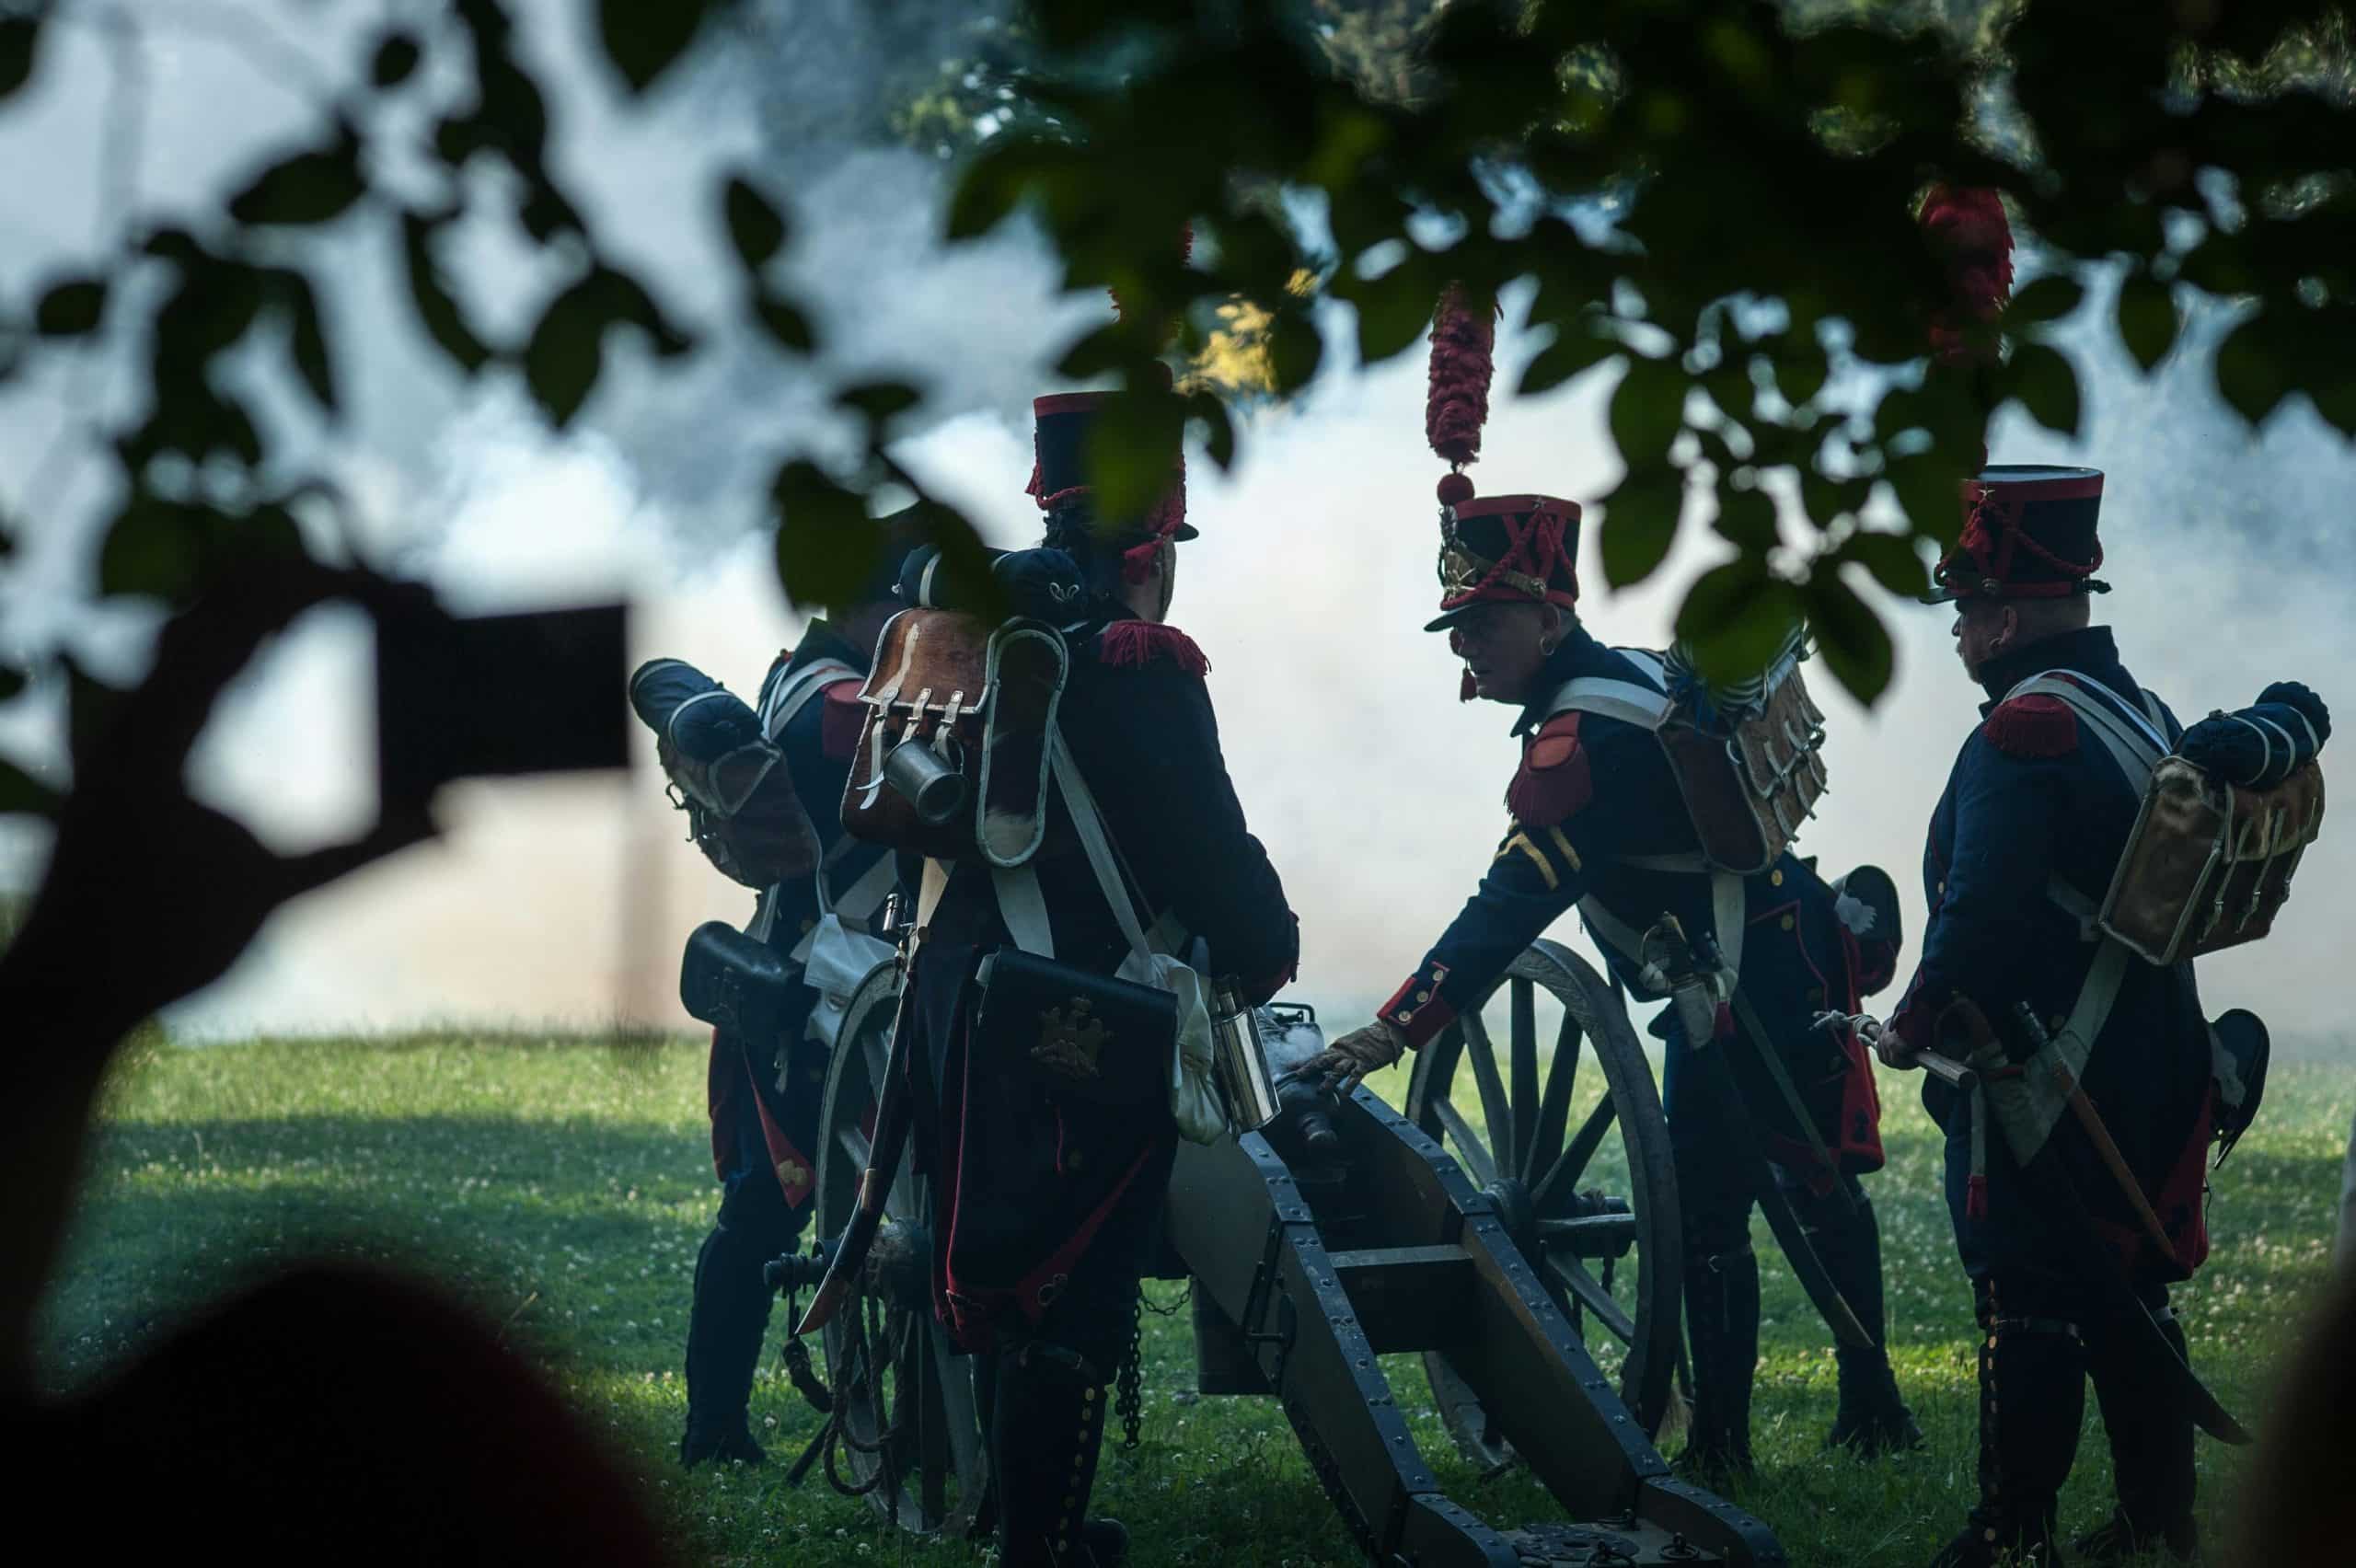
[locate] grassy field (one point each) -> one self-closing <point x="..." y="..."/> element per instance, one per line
<point x="564" y="1188"/>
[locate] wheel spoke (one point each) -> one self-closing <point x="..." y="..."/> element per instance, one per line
<point x="1468" y="1149"/>
<point x="1593" y="1296"/>
<point x="1496" y="1109"/>
<point x="1525" y="1078"/>
<point x="855" y="1145"/>
<point x="1562" y="1179"/>
<point x="1554" y="1112"/>
<point x="877" y="1045"/>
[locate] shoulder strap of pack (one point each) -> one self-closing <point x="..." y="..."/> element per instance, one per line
<point x="2134" y="741"/>
<point x="1644" y="703"/>
<point x="793" y="692"/>
<point x="1019" y="898"/>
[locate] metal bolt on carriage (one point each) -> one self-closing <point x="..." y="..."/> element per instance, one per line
<point x="1516" y="1225"/>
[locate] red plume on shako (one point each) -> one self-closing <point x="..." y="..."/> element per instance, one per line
<point x="1513" y="547"/>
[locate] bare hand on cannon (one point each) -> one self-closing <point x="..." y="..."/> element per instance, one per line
<point x="1347" y="1060"/>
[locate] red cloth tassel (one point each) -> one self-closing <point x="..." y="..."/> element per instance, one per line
<point x="1138" y="643"/>
<point x="1975" y="1198"/>
<point x="1463" y="345"/>
<point x="1967" y="230"/>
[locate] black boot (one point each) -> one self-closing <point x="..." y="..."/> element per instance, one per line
<point x="1047" y="1425"/>
<point x="1872" y="1419"/>
<point x="2151" y="1449"/>
<point x="1722" y="1325"/>
<point x="2032" y="1396"/>
<point x="730" y="1314"/>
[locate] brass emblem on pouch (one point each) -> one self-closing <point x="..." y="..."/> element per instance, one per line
<point x="1069" y="1045"/>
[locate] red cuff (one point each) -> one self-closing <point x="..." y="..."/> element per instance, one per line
<point x="1417" y="1008"/>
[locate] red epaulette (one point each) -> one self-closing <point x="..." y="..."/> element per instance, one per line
<point x="2037" y="725"/>
<point x="1554" y="783"/>
<point x="1136" y="643"/>
<point x="841" y="716"/>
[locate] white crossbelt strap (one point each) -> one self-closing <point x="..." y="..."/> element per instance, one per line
<point x="793" y="692"/>
<point x="1728" y="920"/>
<point x="2136" y="741"/>
<point x="1019" y="899"/>
<point x="1632" y="702"/>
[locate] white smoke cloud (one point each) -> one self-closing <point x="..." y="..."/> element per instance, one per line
<point x="1377" y="792"/>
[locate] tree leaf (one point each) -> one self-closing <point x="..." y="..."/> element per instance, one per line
<point x="437" y="309"/>
<point x="827" y="546"/>
<point x="1850" y="638"/>
<point x="2147" y="319"/>
<point x="567" y="352"/>
<point x="19" y="45"/>
<point x="309" y="188"/>
<point x="1647" y="411"/>
<point x="1929" y="491"/>
<point x="1132" y="450"/>
<point x="71" y="309"/>
<point x="1295" y="350"/>
<point x="1891" y="558"/>
<point x="1640" y="524"/>
<point x="1747" y="519"/>
<point x="154" y="549"/>
<point x="2046" y="298"/>
<point x="622" y="297"/>
<point x="877" y="401"/>
<point x="756" y="227"/>
<point x="2248" y="376"/>
<point x="1573" y="351"/>
<point x="2047" y="387"/>
<point x="395" y="59"/>
<point x="646" y="37"/>
<point x="23" y="795"/>
<point x="1219" y="433"/>
<point x="1734" y="617"/>
<point x="306" y="341"/>
<point x="785" y="323"/>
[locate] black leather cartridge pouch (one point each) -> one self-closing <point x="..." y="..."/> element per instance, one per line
<point x="733" y="982"/>
<point x="1079" y="1035"/>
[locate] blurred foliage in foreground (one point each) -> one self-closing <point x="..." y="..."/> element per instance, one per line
<point x="1714" y="199"/>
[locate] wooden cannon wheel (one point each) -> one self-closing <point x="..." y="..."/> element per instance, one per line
<point x="1580" y="1172"/>
<point x="911" y="1439"/>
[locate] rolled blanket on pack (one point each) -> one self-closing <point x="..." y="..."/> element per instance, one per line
<point x="2259" y="746"/>
<point x="1046" y="584"/>
<point x="702" y="719"/>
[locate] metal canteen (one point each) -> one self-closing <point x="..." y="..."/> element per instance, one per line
<point x="917" y="772"/>
<point x="1240" y="1061"/>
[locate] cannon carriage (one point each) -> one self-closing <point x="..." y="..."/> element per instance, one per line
<point x="1516" y="1226"/>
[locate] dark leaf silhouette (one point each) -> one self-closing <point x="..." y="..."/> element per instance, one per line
<point x="309" y="188"/>
<point x="646" y="37"/>
<point x="71" y="309"/>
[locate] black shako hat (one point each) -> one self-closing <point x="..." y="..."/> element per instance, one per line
<point x="1061" y="427"/>
<point x="2028" y="533"/>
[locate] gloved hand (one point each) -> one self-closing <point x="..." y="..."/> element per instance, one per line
<point x="1348" y="1059"/>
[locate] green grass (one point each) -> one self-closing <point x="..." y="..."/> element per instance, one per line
<point x="564" y="1187"/>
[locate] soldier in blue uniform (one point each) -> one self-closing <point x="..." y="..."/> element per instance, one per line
<point x="764" y="1094"/>
<point x="2022" y="849"/>
<point x="1044" y="1206"/>
<point x="1596" y="820"/>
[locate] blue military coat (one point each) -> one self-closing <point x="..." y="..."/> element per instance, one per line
<point x="2031" y="802"/>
